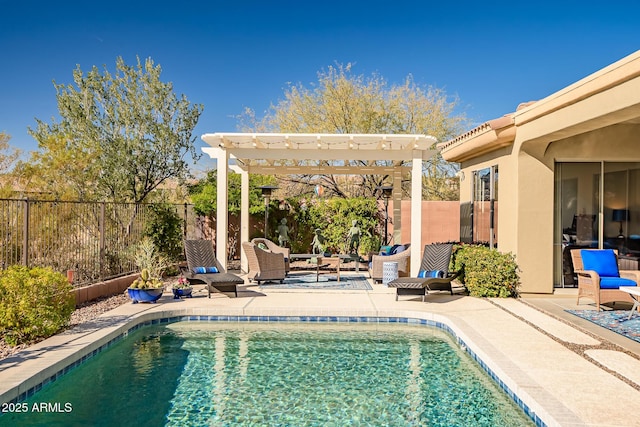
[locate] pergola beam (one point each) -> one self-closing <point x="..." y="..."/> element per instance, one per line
<point x="322" y="170"/>
<point x="322" y="154"/>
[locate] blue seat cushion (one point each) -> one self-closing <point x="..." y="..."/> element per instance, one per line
<point x="431" y="273"/>
<point x="205" y="270"/>
<point x="602" y="261"/>
<point x="615" y="282"/>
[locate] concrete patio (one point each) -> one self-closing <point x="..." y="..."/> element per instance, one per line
<point x="568" y="371"/>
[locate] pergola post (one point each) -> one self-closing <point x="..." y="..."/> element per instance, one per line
<point x="222" y="206"/>
<point x="244" y="214"/>
<point x="416" y="212"/>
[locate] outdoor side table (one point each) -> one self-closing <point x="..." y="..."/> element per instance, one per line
<point x="389" y="272"/>
<point x="634" y="291"/>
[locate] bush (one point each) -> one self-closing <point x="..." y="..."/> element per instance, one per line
<point x="165" y="230"/>
<point x="34" y="303"/>
<point x="487" y="272"/>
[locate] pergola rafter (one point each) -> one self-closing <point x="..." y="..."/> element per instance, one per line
<point x="290" y="154"/>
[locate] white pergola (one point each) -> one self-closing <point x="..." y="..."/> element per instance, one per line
<point x="301" y="154"/>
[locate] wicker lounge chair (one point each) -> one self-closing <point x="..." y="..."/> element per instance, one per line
<point x="263" y="264"/>
<point x="273" y="247"/>
<point x="598" y="282"/>
<point x="200" y="256"/>
<point x="377" y="262"/>
<point x="435" y="261"/>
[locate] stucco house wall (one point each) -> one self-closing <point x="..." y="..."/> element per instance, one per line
<point x="594" y="119"/>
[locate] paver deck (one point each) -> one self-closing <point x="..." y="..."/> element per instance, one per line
<point x="533" y="352"/>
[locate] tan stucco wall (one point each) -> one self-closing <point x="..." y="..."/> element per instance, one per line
<point x="594" y="119"/>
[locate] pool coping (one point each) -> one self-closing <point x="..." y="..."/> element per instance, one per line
<point x="72" y="348"/>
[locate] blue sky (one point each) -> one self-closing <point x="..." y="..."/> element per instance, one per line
<point x="235" y="54"/>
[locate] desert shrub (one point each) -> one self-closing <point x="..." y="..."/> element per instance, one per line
<point x="147" y="256"/>
<point x="34" y="303"/>
<point x="165" y="230"/>
<point x="487" y="272"/>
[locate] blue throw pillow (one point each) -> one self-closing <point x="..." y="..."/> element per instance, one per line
<point x="423" y="274"/>
<point x="602" y="261"/>
<point x="204" y="270"/>
<point x="397" y="249"/>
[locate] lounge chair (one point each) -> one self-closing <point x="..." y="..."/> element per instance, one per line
<point x="273" y="247"/>
<point x="599" y="277"/>
<point x="434" y="273"/>
<point x="202" y="266"/>
<point x="401" y="256"/>
<point x="263" y="264"/>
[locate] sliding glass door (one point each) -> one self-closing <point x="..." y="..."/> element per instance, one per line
<point x="597" y="205"/>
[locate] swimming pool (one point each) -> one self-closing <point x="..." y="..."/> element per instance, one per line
<point x="295" y="374"/>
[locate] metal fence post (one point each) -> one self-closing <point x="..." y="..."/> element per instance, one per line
<point x="102" y="240"/>
<point x="184" y="222"/>
<point x="25" y="232"/>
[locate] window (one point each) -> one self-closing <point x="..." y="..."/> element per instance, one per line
<point x="483" y="215"/>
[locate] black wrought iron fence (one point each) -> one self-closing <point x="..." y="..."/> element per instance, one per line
<point x="93" y="240"/>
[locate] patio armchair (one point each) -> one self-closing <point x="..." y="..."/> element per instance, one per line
<point x="263" y="264"/>
<point x="273" y="247"/>
<point x="434" y="273"/>
<point x="204" y="268"/>
<point x="599" y="277"/>
<point x="401" y="256"/>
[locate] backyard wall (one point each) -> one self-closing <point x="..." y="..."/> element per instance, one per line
<point x="440" y="221"/>
<point x="103" y="289"/>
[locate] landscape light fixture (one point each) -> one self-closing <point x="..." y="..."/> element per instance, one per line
<point x="267" y="190"/>
<point x="386" y="195"/>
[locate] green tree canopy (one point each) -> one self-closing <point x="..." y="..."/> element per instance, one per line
<point x="8" y="157"/>
<point x="204" y="193"/>
<point x="120" y="136"/>
<point x="8" y="154"/>
<point x="341" y="102"/>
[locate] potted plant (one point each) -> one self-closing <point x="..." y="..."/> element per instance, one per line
<point x="145" y="288"/>
<point x="182" y="288"/>
<point x="148" y="287"/>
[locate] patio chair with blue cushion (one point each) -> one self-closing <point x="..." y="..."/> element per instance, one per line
<point x="204" y="268"/>
<point x="599" y="277"/>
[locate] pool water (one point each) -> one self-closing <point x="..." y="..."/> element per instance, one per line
<point x="254" y="374"/>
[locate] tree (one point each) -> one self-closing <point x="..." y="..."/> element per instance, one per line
<point x="345" y="103"/>
<point x="8" y="157"/>
<point x="8" y="154"/>
<point x="204" y="193"/>
<point x="120" y="136"/>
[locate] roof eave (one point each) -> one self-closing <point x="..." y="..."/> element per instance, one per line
<point x="490" y="136"/>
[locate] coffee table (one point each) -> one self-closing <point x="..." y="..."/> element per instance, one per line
<point x="330" y="263"/>
<point x="634" y="291"/>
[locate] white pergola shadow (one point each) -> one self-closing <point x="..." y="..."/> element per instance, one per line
<point x="300" y="154"/>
